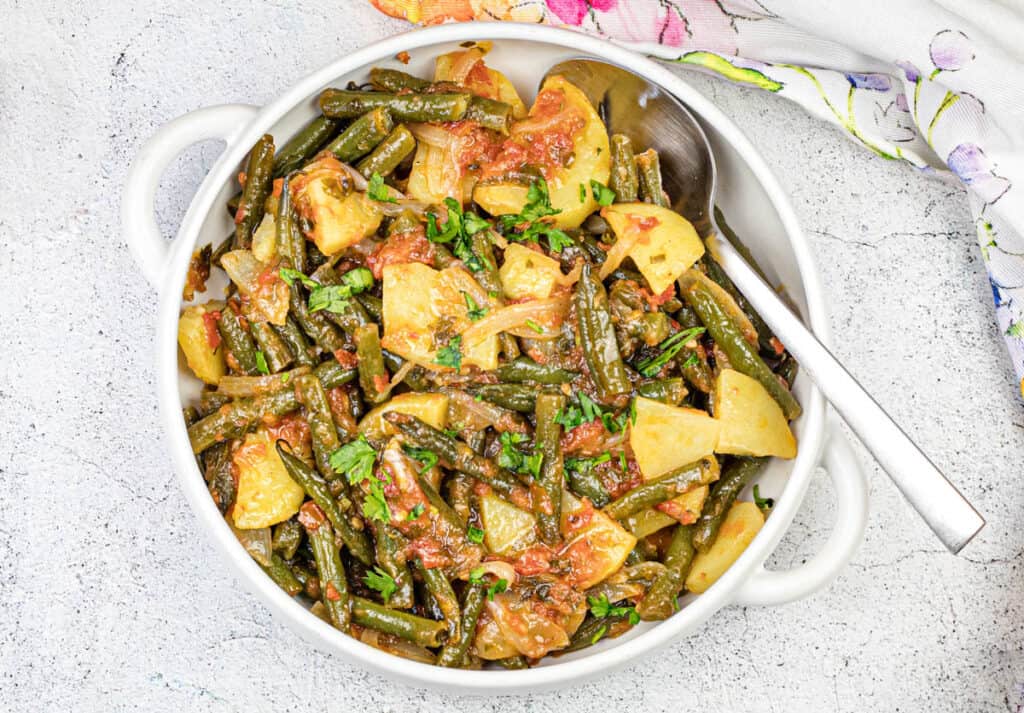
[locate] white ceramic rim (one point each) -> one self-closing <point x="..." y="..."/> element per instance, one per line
<point x="725" y="591"/>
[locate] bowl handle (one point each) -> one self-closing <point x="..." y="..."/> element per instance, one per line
<point x="138" y="220"/>
<point x="769" y="587"/>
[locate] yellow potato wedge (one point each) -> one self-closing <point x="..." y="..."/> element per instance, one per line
<point x="666" y="244"/>
<point x="741" y="524"/>
<point x="429" y="407"/>
<point x="266" y="493"/>
<point x="596" y="545"/>
<point x="340" y="217"/>
<point x="419" y="301"/>
<point x="204" y="361"/>
<point x="752" y="423"/>
<point x="665" y="437"/>
<point x="508" y="530"/>
<point x="528" y="274"/>
<point x="591" y="160"/>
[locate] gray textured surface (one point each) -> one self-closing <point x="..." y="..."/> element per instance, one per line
<point x="110" y="599"/>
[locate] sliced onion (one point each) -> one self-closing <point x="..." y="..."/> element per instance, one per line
<point x="462" y="66"/>
<point x="511" y="317"/>
<point x="392" y="210"/>
<point x="396" y="646"/>
<point x="619" y="250"/>
<point x="501" y="570"/>
<point x="269" y="298"/>
<point x="359" y="182"/>
<point x="431" y="134"/>
<point x="256" y="542"/>
<point x="573" y="277"/>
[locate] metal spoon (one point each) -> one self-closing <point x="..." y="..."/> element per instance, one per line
<point x="652" y="117"/>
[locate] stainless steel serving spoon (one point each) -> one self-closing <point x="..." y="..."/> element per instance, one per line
<point x="652" y="117"/>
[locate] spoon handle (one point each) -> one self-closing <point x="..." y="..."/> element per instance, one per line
<point x="952" y="518"/>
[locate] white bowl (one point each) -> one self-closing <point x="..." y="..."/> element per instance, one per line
<point x="750" y="197"/>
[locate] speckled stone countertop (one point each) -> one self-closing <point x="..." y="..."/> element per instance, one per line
<point x="112" y="600"/>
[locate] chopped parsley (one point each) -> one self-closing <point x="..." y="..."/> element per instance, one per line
<point x="528" y="224"/>
<point x="290" y="276"/>
<point x="583" y="465"/>
<point x="669" y="348"/>
<point x="261" y="363"/>
<point x="458" y="229"/>
<point x="416" y="511"/>
<point x="572" y="415"/>
<point x="534" y="326"/>
<point x="599" y="634"/>
<point x="497" y="588"/>
<point x="381" y="582"/>
<point x="583" y="193"/>
<point x="377" y="191"/>
<point x="512" y="458"/>
<point x="423" y="455"/>
<point x="763" y="504"/>
<point x="475" y="534"/>
<point x="474" y="312"/>
<point x="602" y="193"/>
<point x="355" y="461"/>
<point x="451" y="354"/>
<point x="334" y="298"/>
<point x="601" y="608"/>
<point x="476" y="575"/>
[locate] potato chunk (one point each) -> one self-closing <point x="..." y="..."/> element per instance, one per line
<point x="562" y="136"/>
<point x="528" y="274"/>
<point x="752" y="422"/>
<point x="429" y="407"/>
<point x="508" y="530"/>
<point x="266" y="493"/>
<point x="665" y="243"/>
<point x="194" y="337"/>
<point x="420" y="302"/>
<point x="340" y="216"/>
<point x="596" y="545"/>
<point x="665" y="437"/>
<point x="741" y="524"/>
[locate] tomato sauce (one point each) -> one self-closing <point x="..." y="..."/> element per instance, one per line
<point x="411" y="246"/>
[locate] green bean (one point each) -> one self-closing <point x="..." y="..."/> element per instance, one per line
<point x="445" y="511"/>
<point x="441" y="589"/>
<point x="511" y="396"/>
<point x="301" y="147"/>
<point x="649" y="169"/>
<point x="675" y="482"/>
<point x="585" y="482"/>
<point x="259" y="175"/>
<point x="314" y="324"/>
<point x="546" y="437"/>
<point x="333" y="585"/>
<point x="489" y="113"/>
<point x="453" y="454"/>
<point x="240" y="346"/>
<point x="388" y="547"/>
<point x="373" y="377"/>
<point x="395" y="80"/>
<point x="404" y="222"/>
<point x="321" y="423"/>
<point x="350" y="316"/>
<point x="592" y="630"/>
<point x="362" y="135"/>
<point x="513" y="663"/>
<point x="401" y="624"/>
<point x="282" y="574"/>
<point x="742" y="356"/>
<point x="644" y="551"/>
<point x="660" y="600"/>
<point x="236" y="418"/>
<point x="297" y="343"/>
<point x="460" y="493"/>
<point x="597" y="337"/>
<point x="735" y="477"/>
<point x="373" y="305"/>
<point x="481" y="246"/>
<point x="390" y="152"/>
<point x="765" y="336"/>
<point x="274" y="349"/>
<point x="415" y="379"/>
<point x="345" y="104"/>
<point x="190" y="414"/>
<point x="224" y="246"/>
<point x="454" y="651"/>
<point x="670" y="391"/>
<point x="291" y="243"/>
<point x="788" y="369"/>
<point x="623" y="179"/>
<point x="210" y="401"/>
<point x="219" y="476"/>
<point x="319" y="492"/>
<point x="287" y="538"/>
<point x="526" y="369"/>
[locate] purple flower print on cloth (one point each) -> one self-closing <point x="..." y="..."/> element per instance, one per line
<point x="974" y="168"/>
<point x="572" y="12"/>
<point x="911" y="72"/>
<point x="874" y="82"/>
<point x="950" y="50"/>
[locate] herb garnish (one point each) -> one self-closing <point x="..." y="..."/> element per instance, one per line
<point x="763" y="504"/>
<point x="355" y="461"/>
<point x="669" y="348"/>
<point x="474" y="312"/>
<point x="451" y="354"/>
<point x="424" y="455"/>
<point x="602" y="194"/>
<point x="261" y="363"/>
<point x="377" y="191"/>
<point x="381" y="582"/>
<point x="529" y="225"/>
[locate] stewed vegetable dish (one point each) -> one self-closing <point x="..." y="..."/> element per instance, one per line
<point x="474" y="391"/>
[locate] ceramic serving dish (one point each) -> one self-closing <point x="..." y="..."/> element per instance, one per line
<point x="756" y="207"/>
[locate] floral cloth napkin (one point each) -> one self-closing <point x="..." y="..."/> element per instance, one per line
<point x="935" y="83"/>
